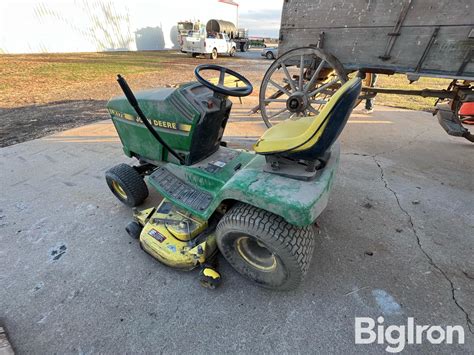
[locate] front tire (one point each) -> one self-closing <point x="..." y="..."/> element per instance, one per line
<point x="127" y="185"/>
<point x="270" y="55"/>
<point x="264" y="247"/>
<point x="213" y="54"/>
<point x="134" y="230"/>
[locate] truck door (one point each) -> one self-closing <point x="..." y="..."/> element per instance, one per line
<point x="221" y="43"/>
<point x="227" y="43"/>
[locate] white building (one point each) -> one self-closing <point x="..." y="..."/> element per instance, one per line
<point x="36" y="26"/>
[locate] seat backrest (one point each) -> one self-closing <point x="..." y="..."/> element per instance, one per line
<point x="329" y="124"/>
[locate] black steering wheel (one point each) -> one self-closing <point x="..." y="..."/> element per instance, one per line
<point x="220" y="88"/>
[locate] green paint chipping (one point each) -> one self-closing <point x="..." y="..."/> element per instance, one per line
<point x="298" y="202"/>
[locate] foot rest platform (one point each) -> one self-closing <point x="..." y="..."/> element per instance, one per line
<point x="175" y="188"/>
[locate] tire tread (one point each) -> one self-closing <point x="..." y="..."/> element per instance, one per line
<point x="299" y="241"/>
<point x="131" y="181"/>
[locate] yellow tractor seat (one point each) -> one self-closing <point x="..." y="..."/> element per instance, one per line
<point x="308" y="138"/>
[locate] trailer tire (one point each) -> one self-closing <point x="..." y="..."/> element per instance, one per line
<point x="127" y="185"/>
<point x="213" y="54"/>
<point x="264" y="247"/>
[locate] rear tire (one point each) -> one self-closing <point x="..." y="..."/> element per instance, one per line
<point x="232" y="52"/>
<point x="213" y="54"/>
<point x="127" y="185"/>
<point x="264" y="247"/>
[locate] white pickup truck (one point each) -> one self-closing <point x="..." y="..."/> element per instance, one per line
<point x="211" y="45"/>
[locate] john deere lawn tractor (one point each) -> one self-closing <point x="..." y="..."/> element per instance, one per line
<point x="257" y="208"/>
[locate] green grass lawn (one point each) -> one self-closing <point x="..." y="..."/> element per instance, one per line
<point x="408" y="102"/>
<point x="75" y="67"/>
<point x="42" y="78"/>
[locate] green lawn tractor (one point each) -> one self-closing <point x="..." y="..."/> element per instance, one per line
<point x="257" y="208"/>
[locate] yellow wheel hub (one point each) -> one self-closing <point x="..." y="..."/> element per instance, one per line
<point x="119" y="190"/>
<point x="256" y="254"/>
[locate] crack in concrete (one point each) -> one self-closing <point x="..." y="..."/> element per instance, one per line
<point x="469" y="321"/>
<point x="403" y="146"/>
<point x="410" y="142"/>
<point x="357" y="154"/>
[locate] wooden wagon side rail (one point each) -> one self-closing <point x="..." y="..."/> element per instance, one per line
<point x="422" y="37"/>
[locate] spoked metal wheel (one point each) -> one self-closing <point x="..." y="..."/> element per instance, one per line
<point x="298" y="84"/>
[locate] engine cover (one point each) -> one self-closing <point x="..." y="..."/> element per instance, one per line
<point x="190" y="118"/>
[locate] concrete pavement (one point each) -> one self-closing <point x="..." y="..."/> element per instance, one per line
<point x="396" y="240"/>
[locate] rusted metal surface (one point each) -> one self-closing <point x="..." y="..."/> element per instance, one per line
<point x="396" y="30"/>
<point x="425" y="37"/>
<point x="441" y="94"/>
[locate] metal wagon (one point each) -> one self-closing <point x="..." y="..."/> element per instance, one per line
<point x="324" y="41"/>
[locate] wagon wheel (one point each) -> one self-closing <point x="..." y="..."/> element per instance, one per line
<point x="298" y="84"/>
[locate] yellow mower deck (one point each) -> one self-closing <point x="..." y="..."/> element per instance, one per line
<point x="175" y="238"/>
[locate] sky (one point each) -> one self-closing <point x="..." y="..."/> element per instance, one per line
<point x="31" y="26"/>
<point x="262" y="17"/>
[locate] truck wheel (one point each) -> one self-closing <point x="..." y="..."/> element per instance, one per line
<point x="232" y="52"/>
<point x="194" y="55"/>
<point x="264" y="247"/>
<point x="270" y="55"/>
<point x="213" y="54"/>
<point x="127" y="185"/>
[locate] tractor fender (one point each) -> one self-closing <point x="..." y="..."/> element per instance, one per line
<point x="298" y="202"/>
